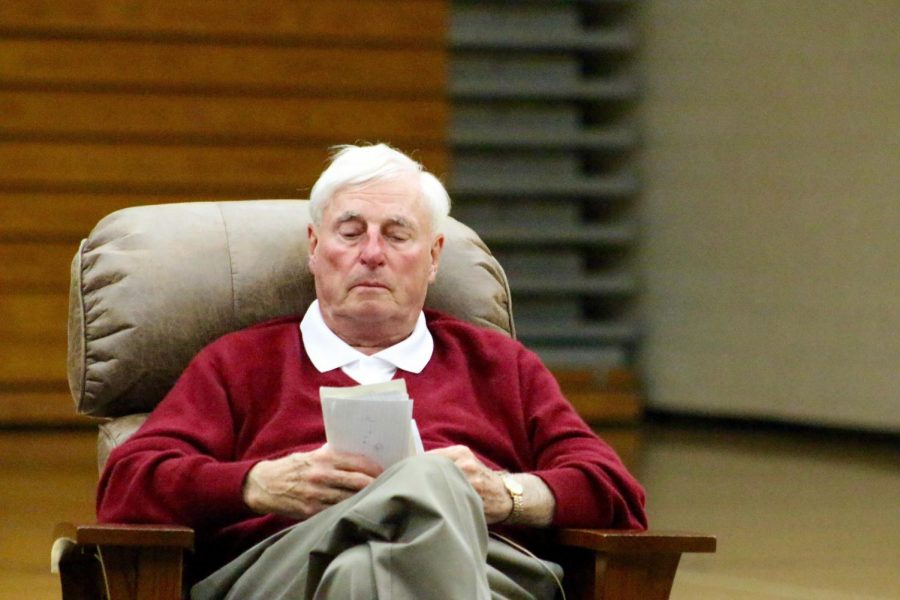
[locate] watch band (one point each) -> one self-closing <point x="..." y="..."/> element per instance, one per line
<point x="516" y="493"/>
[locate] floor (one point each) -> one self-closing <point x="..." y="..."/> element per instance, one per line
<point x="800" y="516"/>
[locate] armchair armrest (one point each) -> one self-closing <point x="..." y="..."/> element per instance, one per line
<point x="604" y="564"/>
<point x="145" y="562"/>
<point x="139" y="562"/>
<point x="126" y="535"/>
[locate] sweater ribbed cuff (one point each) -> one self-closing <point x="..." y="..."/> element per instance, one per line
<point x="218" y="493"/>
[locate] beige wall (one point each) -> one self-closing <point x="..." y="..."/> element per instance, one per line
<point x="771" y="216"/>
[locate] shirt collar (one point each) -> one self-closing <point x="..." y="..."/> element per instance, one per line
<point x="327" y="351"/>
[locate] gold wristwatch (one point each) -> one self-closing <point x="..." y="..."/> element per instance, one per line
<point x="515" y="491"/>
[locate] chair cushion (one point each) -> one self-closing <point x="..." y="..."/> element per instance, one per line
<point x="152" y="285"/>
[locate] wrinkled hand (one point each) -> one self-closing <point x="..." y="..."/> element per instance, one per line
<point x="497" y="503"/>
<point x="304" y="483"/>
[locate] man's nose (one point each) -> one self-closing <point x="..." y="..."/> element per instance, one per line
<point x="372" y="253"/>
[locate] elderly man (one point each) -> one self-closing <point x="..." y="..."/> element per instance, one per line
<point x="237" y="448"/>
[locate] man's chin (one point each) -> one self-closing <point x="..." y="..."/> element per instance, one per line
<point x="371" y="309"/>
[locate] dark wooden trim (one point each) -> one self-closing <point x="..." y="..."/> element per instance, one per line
<point x="127" y="535"/>
<point x="601" y="540"/>
<point x="623" y="565"/>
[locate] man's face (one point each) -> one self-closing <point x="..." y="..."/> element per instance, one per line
<point x="373" y="256"/>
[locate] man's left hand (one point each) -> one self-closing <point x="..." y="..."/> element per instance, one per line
<point x="497" y="503"/>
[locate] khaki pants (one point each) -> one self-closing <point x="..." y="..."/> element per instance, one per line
<point x="418" y="532"/>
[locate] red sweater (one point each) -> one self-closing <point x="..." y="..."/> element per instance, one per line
<point x="254" y="395"/>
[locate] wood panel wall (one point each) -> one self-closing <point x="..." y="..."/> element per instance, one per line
<point x="112" y="103"/>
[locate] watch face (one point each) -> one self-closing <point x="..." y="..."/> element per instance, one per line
<point x="513" y="486"/>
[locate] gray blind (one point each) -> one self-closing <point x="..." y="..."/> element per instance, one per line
<point x="543" y="149"/>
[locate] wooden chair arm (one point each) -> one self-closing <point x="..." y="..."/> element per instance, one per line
<point x="120" y="562"/>
<point x="145" y="562"/>
<point x="127" y="535"/>
<point x="611" y="540"/>
<point x="604" y="564"/>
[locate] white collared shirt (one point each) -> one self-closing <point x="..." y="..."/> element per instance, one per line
<point x="327" y="351"/>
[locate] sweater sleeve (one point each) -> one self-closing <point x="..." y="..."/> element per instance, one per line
<point x="179" y="467"/>
<point x="591" y="485"/>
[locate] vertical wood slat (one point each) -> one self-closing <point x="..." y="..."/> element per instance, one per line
<point x="110" y="103"/>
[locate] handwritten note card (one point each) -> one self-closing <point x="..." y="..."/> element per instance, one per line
<point x="373" y="420"/>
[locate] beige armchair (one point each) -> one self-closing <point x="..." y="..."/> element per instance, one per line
<point x="153" y="284"/>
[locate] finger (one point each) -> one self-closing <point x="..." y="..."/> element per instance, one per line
<point x="304" y="508"/>
<point x="345" y="461"/>
<point x="356" y="463"/>
<point x="454" y="453"/>
<point x="321" y="473"/>
<point x="475" y="471"/>
<point x="440" y="452"/>
<point x="350" y="481"/>
<point x="330" y="496"/>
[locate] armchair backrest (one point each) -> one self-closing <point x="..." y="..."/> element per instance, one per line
<point x="152" y="285"/>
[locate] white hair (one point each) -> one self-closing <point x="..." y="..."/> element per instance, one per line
<point x="355" y="165"/>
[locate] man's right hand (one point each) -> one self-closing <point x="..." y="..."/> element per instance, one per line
<point x="304" y="483"/>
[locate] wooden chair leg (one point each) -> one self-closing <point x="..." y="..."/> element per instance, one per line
<point x="635" y="576"/>
<point x="152" y="573"/>
<point x="623" y="565"/>
<point x="601" y="576"/>
<point x="120" y="562"/>
<point x="80" y="575"/>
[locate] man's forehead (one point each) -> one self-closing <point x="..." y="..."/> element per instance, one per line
<point x="401" y="188"/>
<point x="393" y="199"/>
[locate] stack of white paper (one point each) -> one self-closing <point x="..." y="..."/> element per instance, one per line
<point x="373" y="420"/>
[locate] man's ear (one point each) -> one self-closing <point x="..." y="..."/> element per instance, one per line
<point x="436" y="247"/>
<point x="313" y="243"/>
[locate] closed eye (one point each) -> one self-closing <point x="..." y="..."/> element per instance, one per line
<point x="397" y="232"/>
<point x="350" y="231"/>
